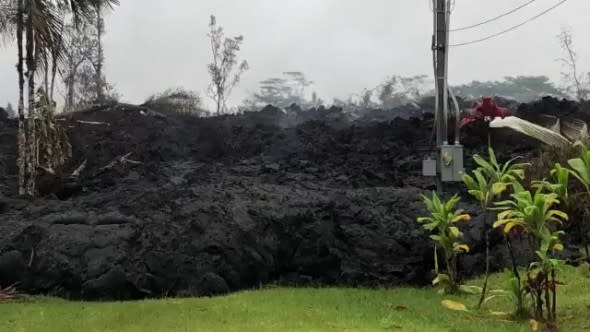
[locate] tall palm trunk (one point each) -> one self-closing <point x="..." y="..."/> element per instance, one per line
<point x="21" y="136"/>
<point x="99" y="30"/>
<point x="31" y="153"/>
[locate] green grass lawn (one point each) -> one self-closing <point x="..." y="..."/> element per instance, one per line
<point x="288" y="309"/>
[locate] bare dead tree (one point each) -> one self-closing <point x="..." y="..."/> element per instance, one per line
<point x="80" y="46"/>
<point x="574" y="80"/>
<point x="224" y="74"/>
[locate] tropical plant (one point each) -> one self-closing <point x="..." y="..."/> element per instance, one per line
<point x="581" y="165"/>
<point x="535" y="214"/>
<point x="442" y="223"/>
<point x="580" y="169"/>
<point x="489" y="181"/>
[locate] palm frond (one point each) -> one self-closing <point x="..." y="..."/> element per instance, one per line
<point x="530" y="129"/>
<point x="85" y="10"/>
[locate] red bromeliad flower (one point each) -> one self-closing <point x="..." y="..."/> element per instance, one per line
<point x="487" y="108"/>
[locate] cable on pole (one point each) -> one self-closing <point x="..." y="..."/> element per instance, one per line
<point x="512" y="28"/>
<point x="493" y="18"/>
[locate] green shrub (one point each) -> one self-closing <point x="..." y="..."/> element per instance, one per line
<point x="442" y="223"/>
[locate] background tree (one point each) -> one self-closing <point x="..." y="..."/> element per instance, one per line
<point x="398" y="90"/>
<point x="81" y="69"/>
<point x="223" y="71"/>
<point x="10" y="110"/>
<point x="575" y="83"/>
<point x="79" y="47"/>
<point x="177" y="100"/>
<point x="519" y="88"/>
<point x="283" y="91"/>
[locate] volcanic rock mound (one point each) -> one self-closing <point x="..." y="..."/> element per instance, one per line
<point x="168" y="204"/>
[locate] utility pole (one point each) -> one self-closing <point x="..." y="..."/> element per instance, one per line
<point x="449" y="161"/>
<point x="440" y="48"/>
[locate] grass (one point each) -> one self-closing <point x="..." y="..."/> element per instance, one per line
<point x="289" y="309"/>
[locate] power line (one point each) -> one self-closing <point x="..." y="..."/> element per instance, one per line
<point x="512" y="28"/>
<point x="493" y="18"/>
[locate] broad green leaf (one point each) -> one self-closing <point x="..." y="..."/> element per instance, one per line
<point x="477" y="194"/>
<point x="437" y="238"/>
<point x="462" y="217"/>
<point x="463" y="247"/>
<point x="470" y="182"/>
<point x="512" y="224"/>
<point x="500" y="222"/>
<point x="498" y="188"/>
<point x="470" y="289"/>
<point x="453" y="305"/>
<point x="493" y="160"/>
<point x="557" y="213"/>
<point x="455" y="231"/>
<point x="581" y="169"/>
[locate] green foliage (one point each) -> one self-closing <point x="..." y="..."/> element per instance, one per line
<point x="535" y="213"/>
<point x="581" y="166"/>
<point x="442" y="223"/>
<point x="491" y="179"/>
<point x="530" y="211"/>
<point x="558" y="183"/>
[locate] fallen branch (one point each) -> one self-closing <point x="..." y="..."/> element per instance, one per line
<point x="94" y="123"/>
<point x="48" y="170"/>
<point x="77" y="171"/>
<point x="121" y="160"/>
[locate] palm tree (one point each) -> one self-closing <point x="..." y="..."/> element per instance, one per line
<point x="12" y="21"/>
<point x="37" y="22"/>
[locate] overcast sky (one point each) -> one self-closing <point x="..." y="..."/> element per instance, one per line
<point x="342" y="45"/>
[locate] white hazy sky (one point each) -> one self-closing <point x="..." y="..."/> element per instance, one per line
<point x="342" y="45"/>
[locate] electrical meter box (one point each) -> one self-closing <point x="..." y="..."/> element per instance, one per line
<point x="429" y="167"/>
<point x="451" y="163"/>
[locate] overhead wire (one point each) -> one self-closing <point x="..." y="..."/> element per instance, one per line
<point x="512" y="28"/>
<point x="493" y="18"/>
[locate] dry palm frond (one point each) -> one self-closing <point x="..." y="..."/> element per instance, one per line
<point x="545" y="135"/>
<point x="8" y="293"/>
<point x="575" y="130"/>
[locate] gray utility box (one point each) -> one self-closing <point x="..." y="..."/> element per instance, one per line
<point x="451" y="163"/>
<point x="429" y="167"/>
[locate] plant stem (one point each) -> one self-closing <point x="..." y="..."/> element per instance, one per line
<point x="514" y="266"/>
<point x="485" y="282"/>
<point x="554" y="300"/>
<point x="450" y="272"/>
<point x="547" y="299"/>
